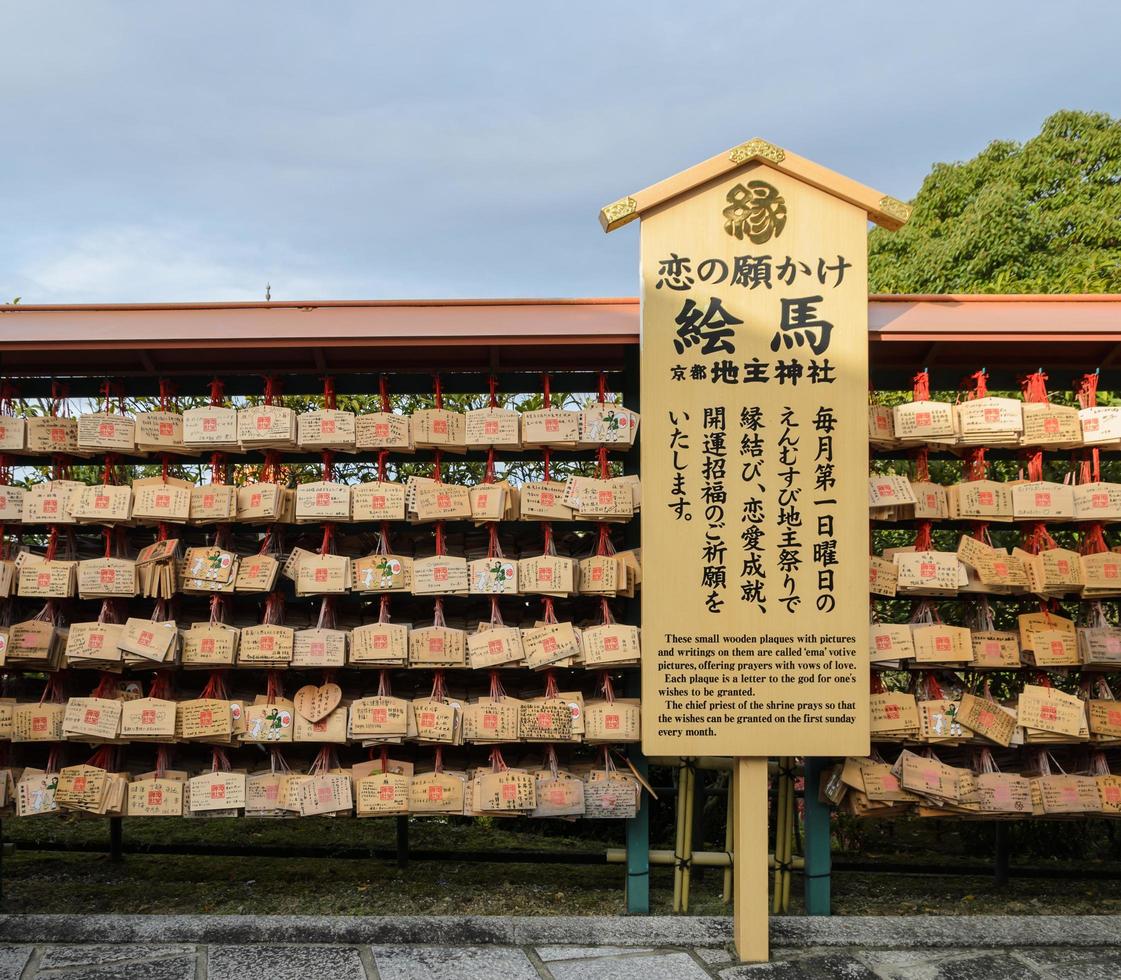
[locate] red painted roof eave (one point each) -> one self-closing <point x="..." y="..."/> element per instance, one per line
<point x="502" y="322"/>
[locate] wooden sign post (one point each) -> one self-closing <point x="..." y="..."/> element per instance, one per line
<point x="754" y="471"/>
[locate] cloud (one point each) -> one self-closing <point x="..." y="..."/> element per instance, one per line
<point x="158" y="265"/>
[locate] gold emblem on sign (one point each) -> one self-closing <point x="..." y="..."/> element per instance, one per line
<point x="756" y="148"/>
<point x="755" y="211"/>
<point x="620" y="209"/>
<point x="895" y="208"/>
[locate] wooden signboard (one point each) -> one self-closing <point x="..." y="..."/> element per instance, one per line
<point x="754" y="356"/>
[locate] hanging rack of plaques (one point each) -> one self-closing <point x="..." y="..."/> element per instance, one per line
<point x="995" y="571"/>
<point x="223" y="600"/>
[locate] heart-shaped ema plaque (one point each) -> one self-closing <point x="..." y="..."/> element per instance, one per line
<point x="316" y="703"/>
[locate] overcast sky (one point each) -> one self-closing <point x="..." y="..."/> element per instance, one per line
<point x="342" y="150"/>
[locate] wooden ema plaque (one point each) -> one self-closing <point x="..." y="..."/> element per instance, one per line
<point x="754" y="355"/>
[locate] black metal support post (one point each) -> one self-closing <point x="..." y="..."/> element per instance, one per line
<point x="402" y="842"/>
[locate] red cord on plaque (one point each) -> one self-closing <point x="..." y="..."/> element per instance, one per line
<point x="1089" y="469"/>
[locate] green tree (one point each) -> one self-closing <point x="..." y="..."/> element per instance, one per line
<point x="1042" y="216"/>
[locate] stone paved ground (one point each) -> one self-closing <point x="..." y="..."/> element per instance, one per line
<point x="188" y="961"/>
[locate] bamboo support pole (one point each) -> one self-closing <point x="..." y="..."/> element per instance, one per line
<point x="787" y="837"/>
<point x="687" y="849"/>
<point x="780" y="824"/>
<point x="679" y="832"/>
<point x="792" y="814"/>
<point x="729" y="843"/>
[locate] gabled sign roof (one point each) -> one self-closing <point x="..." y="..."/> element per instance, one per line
<point x="885" y="211"/>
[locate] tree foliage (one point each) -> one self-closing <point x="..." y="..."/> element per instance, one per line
<point x="1043" y="216"/>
